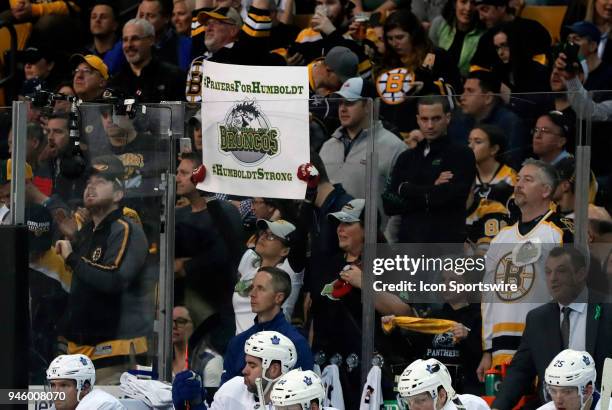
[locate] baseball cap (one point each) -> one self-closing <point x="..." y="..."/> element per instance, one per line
<point x="108" y="167"/>
<point x="280" y="228"/>
<point x="39" y="223"/>
<point x="197" y="117"/>
<point x="491" y="2"/>
<point x="560" y="120"/>
<point x="94" y="61"/>
<point x="585" y="29"/>
<point x="6" y="171"/>
<point x="343" y="62"/>
<point x="356" y="88"/>
<point x="34" y="54"/>
<point x="351" y="212"/>
<point x="227" y="14"/>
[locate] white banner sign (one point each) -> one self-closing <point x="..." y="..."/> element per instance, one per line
<point x="255" y="129"/>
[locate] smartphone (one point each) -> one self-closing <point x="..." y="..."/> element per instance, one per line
<point x="321" y="9"/>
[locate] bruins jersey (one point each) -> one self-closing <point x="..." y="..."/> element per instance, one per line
<point x="485" y="222"/>
<point x="500" y="188"/>
<point x="518" y="258"/>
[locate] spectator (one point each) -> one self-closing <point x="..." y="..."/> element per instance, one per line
<point x="597" y="72"/>
<point x="344" y="155"/>
<point x="457" y="30"/>
<point x="336" y="303"/>
<point x="182" y="329"/>
<point x="503" y="314"/>
<point x="529" y="34"/>
<point x="90" y="78"/>
<point x="494" y="179"/>
<point x="565" y="195"/>
<point x="146" y="77"/>
<point x="460" y="348"/>
<point x="229" y="40"/>
<point x="481" y="104"/>
<point x="103" y="26"/>
<point x="40" y="64"/>
<point x="270" y="288"/>
<point x="195" y="131"/>
<point x="550" y="136"/>
<point x="181" y="16"/>
<point x="327" y="76"/>
<point x="429" y="184"/>
<point x="328" y="29"/>
<point x="169" y="46"/>
<point x="278" y="244"/>
<point x="209" y="241"/>
<point x="106" y="312"/>
<point x="569" y="322"/>
<point x="516" y="69"/>
<point x="491" y="191"/>
<point x="410" y="66"/>
<point x="327" y="198"/>
<point x="75" y="376"/>
<point x="597" y="12"/>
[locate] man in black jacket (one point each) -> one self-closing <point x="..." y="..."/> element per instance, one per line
<point x="110" y="310"/>
<point x="145" y="76"/>
<point x="588" y="326"/>
<point x="429" y="184"/>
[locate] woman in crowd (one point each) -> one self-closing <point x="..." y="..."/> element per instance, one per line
<point x="492" y="188"/>
<point x="278" y="243"/>
<point x="494" y="179"/>
<point x="517" y="70"/>
<point x="411" y="65"/>
<point x="457" y="31"/>
<point x="182" y="328"/>
<point x="336" y="299"/>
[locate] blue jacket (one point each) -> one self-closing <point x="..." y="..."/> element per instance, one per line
<point x="234" y="355"/>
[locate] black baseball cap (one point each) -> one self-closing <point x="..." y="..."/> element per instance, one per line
<point x="40" y="228"/>
<point x="108" y="167"/>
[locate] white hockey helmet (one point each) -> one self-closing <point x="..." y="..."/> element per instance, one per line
<point x="425" y="376"/>
<point x="269" y="346"/>
<point x="298" y="387"/>
<point x="572" y="368"/>
<point x="75" y="367"/>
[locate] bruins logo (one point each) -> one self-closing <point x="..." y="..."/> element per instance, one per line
<point x="394" y="85"/>
<point x="508" y="273"/>
<point x="96" y="254"/>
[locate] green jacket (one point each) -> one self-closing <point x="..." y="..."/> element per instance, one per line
<point x="442" y="35"/>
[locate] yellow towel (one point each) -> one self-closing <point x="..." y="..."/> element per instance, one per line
<point x="421" y="325"/>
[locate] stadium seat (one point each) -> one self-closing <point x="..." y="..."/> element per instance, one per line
<point x="550" y="17"/>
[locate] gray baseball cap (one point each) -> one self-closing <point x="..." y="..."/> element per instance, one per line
<point x="350" y="212"/>
<point x="280" y="228"/>
<point x="343" y="62"/>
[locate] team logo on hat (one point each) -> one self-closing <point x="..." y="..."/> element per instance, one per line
<point x="95" y="255"/>
<point x="433" y="368"/>
<point x="247" y="135"/>
<point x="307" y="381"/>
<point x="83" y="361"/>
<point x="100" y="167"/>
<point x="275" y="340"/>
<point x="394" y="85"/>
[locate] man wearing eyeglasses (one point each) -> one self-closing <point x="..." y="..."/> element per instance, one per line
<point x="145" y="76"/>
<point x="550" y="135"/>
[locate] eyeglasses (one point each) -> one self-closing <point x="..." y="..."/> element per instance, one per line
<point x="543" y="130"/>
<point x="85" y="71"/>
<point x="180" y="322"/>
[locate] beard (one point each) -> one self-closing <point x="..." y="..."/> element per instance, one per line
<point x="252" y="387"/>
